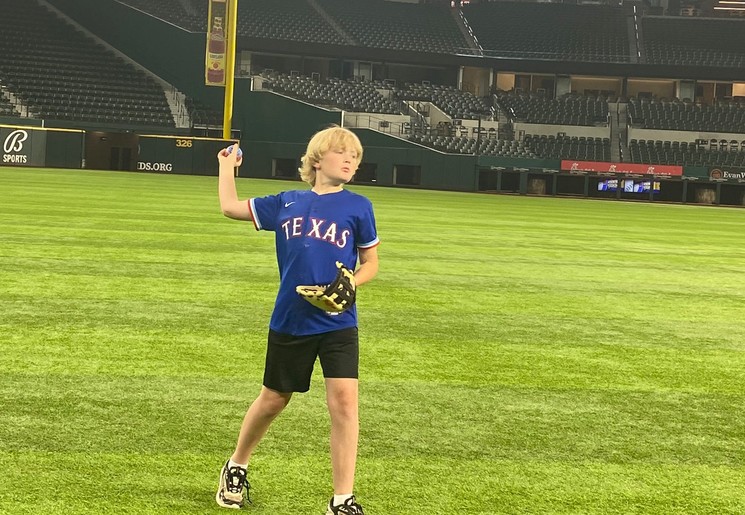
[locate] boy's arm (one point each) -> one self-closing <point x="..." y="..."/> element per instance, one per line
<point x="230" y="205"/>
<point x="368" y="265"/>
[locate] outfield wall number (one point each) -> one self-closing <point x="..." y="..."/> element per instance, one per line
<point x="183" y="143"/>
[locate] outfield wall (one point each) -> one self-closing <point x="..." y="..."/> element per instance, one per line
<point x="31" y="146"/>
<point x="273" y="150"/>
<point x="179" y="155"/>
<point x="24" y="145"/>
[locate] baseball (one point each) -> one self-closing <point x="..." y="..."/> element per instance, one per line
<point x="240" y="152"/>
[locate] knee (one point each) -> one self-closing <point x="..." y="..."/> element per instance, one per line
<point x="342" y="405"/>
<point x="272" y="403"/>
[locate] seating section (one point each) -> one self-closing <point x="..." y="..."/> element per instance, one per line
<point x="453" y="101"/>
<point x="569" y="147"/>
<point x="372" y="23"/>
<point x="570" y="109"/>
<point x="352" y="95"/>
<point x="6" y="108"/>
<point x="550" y="31"/>
<point x="173" y="11"/>
<point x="527" y="30"/>
<point x="202" y="115"/>
<point x="378" y="96"/>
<point x="293" y="20"/>
<point x="700" y="153"/>
<point x="466" y="145"/>
<point x="687" y="116"/>
<point x="61" y="74"/>
<point x="396" y="25"/>
<point x="508" y="29"/>
<point x="694" y="42"/>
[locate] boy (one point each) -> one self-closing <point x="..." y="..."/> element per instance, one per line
<point x="314" y="229"/>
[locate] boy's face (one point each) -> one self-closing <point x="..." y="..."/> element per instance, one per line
<point x="338" y="164"/>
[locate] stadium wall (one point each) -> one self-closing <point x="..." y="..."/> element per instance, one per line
<point x="265" y="116"/>
<point x="41" y="147"/>
<point x="276" y="130"/>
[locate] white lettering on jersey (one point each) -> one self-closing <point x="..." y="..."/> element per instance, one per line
<point x="330" y="235"/>
<point x="286" y="227"/>
<point x="315" y="232"/>
<point x="319" y="230"/>
<point x="297" y="225"/>
<point x="343" y="240"/>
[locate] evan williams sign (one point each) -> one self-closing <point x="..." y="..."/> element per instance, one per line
<point x="624" y="168"/>
<point x="719" y="174"/>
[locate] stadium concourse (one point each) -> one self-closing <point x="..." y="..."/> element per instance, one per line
<point x="528" y="94"/>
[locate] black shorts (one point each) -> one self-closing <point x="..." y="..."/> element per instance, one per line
<point x="290" y="359"/>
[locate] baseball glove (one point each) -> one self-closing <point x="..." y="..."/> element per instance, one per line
<point x="337" y="296"/>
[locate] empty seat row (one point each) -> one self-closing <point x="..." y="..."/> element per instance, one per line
<point x="694" y="42"/>
<point x="569" y="147"/>
<point x="688" y="153"/>
<point x="569" y="109"/>
<point x="470" y="145"/>
<point x="358" y="96"/>
<point x="555" y="31"/>
<point x="687" y="116"/>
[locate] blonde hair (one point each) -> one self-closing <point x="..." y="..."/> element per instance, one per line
<point x="323" y="141"/>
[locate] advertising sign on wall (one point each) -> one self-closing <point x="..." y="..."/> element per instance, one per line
<point x="215" y="52"/>
<point x="624" y="168"/>
<point x="727" y="174"/>
<point x="179" y="154"/>
<point x="22" y="146"/>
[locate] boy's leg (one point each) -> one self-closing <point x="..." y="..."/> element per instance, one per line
<point x="234" y="487"/>
<point x="262" y="412"/>
<point x="342" y="400"/>
<point x="288" y="368"/>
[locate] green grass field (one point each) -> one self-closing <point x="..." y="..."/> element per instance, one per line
<point x="519" y="354"/>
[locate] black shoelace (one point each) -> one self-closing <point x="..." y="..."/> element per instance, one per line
<point x="350" y="507"/>
<point x="237" y="480"/>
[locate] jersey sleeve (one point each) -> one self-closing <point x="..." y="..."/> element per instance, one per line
<point x="367" y="232"/>
<point x="264" y="212"/>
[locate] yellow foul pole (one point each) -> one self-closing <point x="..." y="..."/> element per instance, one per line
<point x="232" y="30"/>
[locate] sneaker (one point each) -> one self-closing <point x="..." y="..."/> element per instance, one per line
<point x="349" y="507"/>
<point x="230" y="492"/>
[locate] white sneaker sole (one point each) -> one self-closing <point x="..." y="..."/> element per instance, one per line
<point x="225" y="503"/>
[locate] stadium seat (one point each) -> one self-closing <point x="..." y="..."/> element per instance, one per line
<point x="60" y="73"/>
<point x="667" y="40"/>
<point x="550" y="31"/>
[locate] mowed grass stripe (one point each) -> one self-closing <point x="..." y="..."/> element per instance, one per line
<point x="520" y="355"/>
<point x="150" y="415"/>
<point x="504" y="487"/>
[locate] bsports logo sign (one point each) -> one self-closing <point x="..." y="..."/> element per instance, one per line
<point x="13" y="147"/>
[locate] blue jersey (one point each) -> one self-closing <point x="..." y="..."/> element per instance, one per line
<point x="312" y="233"/>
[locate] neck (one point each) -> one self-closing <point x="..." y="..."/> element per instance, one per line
<point x="322" y="187"/>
